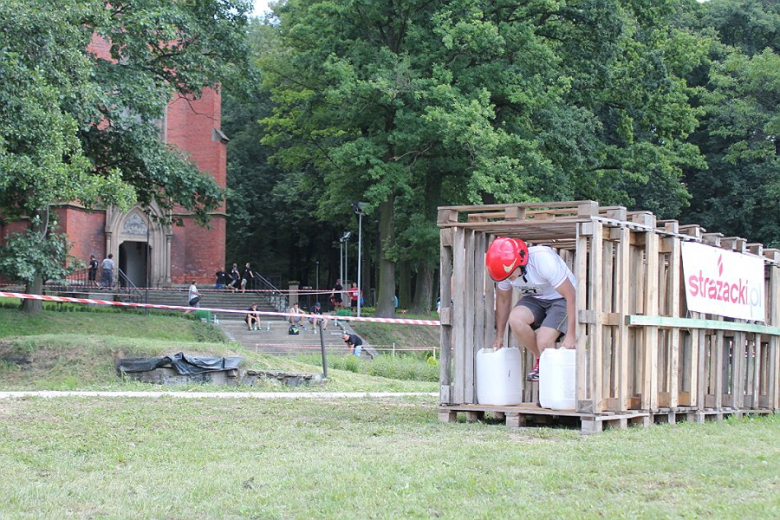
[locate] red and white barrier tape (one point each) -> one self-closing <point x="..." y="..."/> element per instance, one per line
<point x="68" y="299"/>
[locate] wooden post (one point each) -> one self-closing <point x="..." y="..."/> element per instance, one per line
<point x="650" y="383"/>
<point x="445" y="316"/>
<point x="622" y="308"/>
<point x="675" y="280"/>
<point x="773" y="311"/>
<point x="584" y="236"/>
<point x="596" y="305"/>
<point x="459" y="316"/>
<point x="469" y="353"/>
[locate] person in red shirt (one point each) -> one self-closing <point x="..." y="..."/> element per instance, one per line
<point x="354" y="294"/>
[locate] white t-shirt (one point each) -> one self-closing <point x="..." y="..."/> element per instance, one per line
<point x="545" y="272"/>
<point x="193" y="292"/>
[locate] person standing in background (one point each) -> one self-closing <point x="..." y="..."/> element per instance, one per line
<point x="92" y="273"/>
<point x="108" y="272"/>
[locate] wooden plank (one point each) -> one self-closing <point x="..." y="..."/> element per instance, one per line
<point x="675" y="297"/>
<point x="527" y="205"/>
<point x="719" y="358"/>
<point x="469" y="297"/>
<point x="459" y="316"/>
<point x="623" y="261"/>
<point x="445" y="237"/>
<point x="609" y="378"/>
<point x="478" y="301"/>
<point x="446" y="216"/>
<point x="596" y="303"/>
<point x="691" y="323"/>
<point x="738" y="369"/>
<point x="490" y="307"/>
<point x="754" y="374"/>
<point x="702" y="374"/>
<point x="650" y="387"/>
<point x="583" y="284"/>
<point x="773" y="310"/>
<point x="445" y="334"/>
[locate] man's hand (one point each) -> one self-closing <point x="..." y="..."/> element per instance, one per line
<point x="569" y="342"/>
<point x="498" y="343"/>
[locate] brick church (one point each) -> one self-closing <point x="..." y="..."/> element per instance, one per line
<point x="141" y="247"/>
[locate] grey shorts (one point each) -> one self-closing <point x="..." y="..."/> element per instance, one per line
<point x="547" y="313"/>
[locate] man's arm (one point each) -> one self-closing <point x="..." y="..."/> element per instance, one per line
<point x="503" y="307"/>
<point x="566" y="289"/>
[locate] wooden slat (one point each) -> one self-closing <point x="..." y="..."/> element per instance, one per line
<point x="623" y="261"/>
<point x="445" y="268"/>
<point x="608" y="377"/>
<point x="596" y="302"/>
<point x="650" y="387"/>
<point x="635" y="320"/>
<point x="490" y="308"/>
<point x="675" y="284"/>
<point x="459" y="316"/>
<point x="719" y="350"/>
<point x="478" y="302"/>
<point x="738" y="369"/>
<point x="583" y="285"/>
<point x="469" y="296"/>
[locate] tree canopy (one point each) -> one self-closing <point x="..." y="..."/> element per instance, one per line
<point x="79" y="127"/>
<point x="413" y="103"/>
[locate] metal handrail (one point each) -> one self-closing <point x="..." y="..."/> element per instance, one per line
<point x="128" y="287"/>
<point x="276" y="298"/>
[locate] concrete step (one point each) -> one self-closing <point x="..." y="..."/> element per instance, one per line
<point x="273" y="337"/>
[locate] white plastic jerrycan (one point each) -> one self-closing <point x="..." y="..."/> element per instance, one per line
<point x="499" y="376"/>
<point x="557" y="379"/>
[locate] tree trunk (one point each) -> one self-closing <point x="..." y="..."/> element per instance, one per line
<point x="405" y="284"/>
<point x="36" y="287"/>
<point x="385" y="305"/>
<point x="423" y="295"/>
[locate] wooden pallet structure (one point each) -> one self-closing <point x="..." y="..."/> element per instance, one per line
<point x="642" y="356"/>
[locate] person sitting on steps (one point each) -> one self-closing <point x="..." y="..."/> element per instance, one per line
<point x="252" y="318"/>
<point x="297" y="316"/>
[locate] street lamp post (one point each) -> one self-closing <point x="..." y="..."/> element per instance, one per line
<point x="344" y="241"/>
<point x="358" y="208"/>
<point x="317" y="276"/>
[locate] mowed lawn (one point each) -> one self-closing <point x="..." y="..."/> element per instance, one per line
<point x="366" y="458"/>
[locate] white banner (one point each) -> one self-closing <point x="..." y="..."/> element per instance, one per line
<point x="723" y="282"/>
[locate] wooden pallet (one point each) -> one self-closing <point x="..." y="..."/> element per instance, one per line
<point x="717" y="415"/>
<point x="519" y="416"/>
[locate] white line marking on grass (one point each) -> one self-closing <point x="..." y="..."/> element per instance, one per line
<point x="220" y="395"/>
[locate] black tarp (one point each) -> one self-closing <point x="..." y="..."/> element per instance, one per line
<point x="183" y="365"/>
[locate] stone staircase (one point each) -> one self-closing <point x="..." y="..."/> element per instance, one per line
<point x="214" y="299"/>
<point x="273" y="337"/>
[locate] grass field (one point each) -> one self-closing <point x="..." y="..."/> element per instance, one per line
<point x="369" y="458"/>
<point x="239" y="457"/>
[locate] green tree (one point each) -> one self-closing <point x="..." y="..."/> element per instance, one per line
<point x="77" y="127"/>
<point x="740" y="191"/>
<point x="410" y="104"/>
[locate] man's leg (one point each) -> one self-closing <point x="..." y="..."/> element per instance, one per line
<point x="521" y="321"/>
<point x="546" y="337"/>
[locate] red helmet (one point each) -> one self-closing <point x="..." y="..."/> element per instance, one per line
<point x="504" y="255"/>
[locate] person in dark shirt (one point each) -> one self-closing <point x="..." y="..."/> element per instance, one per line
<point x="354" y="343"/>
<point x="247" y="278"/>
<point x="222" y="278"/>
<point x="235" y="276"/>
<point x="316" y="317"/>
<point x="93" y="268"/>
<point x="335" y="296"/>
